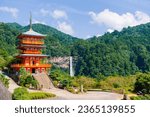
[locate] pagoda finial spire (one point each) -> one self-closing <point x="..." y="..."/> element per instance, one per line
<point x="30" y="21"/>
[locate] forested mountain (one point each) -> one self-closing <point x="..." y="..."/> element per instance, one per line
<point x="118" y="53"/>
<point x="7" y="44"/>
<point x="122" y="53"/>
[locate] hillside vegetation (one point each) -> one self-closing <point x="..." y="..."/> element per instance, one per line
<point x="118" y="53"/>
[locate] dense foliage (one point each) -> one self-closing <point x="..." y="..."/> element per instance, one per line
<point x="7" y="44"/>
<point x="118" y="53"/>
<point x="26" y="79"/>
<point x="142" y="84"/>
<point x="122" y="53"/>
<point x="4" y="80"/>
<point x="118" y="84"/>
<point x="22" y="93"/>
<point x="141" y="97"/>
<point x="40" y="95"/>
<point x="62" y="79"/>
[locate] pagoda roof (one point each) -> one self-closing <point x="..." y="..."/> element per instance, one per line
<point x="39" y="46"/>
<point x="32" y="33"/>
<point x="37" y="55"/>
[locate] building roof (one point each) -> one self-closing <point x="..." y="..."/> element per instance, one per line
<point x="33" y="33"/>
<point x="37" y="55"/>
<point x="38" y="46"/>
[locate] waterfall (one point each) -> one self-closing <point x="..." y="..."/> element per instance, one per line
<point x="71" y="67"/>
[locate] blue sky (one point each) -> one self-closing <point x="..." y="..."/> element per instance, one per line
<point x="80" y="18"/>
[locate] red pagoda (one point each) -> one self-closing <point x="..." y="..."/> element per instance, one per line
<point x="31" y="44"/>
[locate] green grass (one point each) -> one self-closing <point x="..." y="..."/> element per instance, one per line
<point x="141" y="97"/>
<point x="40" y="95"/>
<point x="22" y="93"/>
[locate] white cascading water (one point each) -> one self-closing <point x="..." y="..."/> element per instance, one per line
<point x="71" y="67"/>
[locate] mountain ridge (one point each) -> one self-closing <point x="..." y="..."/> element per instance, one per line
<point x="117" y="53"/>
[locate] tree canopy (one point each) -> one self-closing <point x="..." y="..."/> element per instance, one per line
<point x="117" y="53"/>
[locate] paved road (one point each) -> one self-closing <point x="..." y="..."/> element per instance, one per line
<point x="90" y="95"/>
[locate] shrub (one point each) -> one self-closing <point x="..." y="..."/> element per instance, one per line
<point x="4" y="80"/>
<point x="55" y="83"/>
<point x="20" y="93"/>
<point x="26" y="80"/>
<point x="70" y="89"/>
<point x="74" y="83"/>
<point x="143" y="83"/>
<point x="40" y="95"/>
<point x="118" y="83"/>
<point x="65" y="83"/>
<point x="141" y="97"/>
<point x="88" y="83"/>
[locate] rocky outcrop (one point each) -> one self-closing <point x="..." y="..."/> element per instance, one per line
<point x="4" y="93"/>
<point x="62" y="62"/>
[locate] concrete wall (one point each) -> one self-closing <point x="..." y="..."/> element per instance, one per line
<point x="4" y="93"/>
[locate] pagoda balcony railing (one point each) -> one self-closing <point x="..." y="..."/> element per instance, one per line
<point x="31" y="52"/>
<point x="32" y="42"/>
<point x="31" y="66"/>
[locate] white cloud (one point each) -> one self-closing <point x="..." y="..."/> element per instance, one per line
<point x="37" y="21"/>
<point x="66" y="28"/>
<point x="115" y="21"/>
<point x="110" y="30"/>
<point x="44" y="12"/>
<point x="12" y="11"/>
<point x="57" y="14"/>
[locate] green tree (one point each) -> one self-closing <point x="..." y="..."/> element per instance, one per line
<point x="20" y="93"/>
<point x="143" y="83"/>
<point x="26" y="79"/>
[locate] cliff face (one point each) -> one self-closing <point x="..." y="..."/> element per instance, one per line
<point x="4" y="93"/>
<point x="62" y="62"/>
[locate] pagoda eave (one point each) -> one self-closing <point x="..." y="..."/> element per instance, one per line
<point x="26" y="46"/>
<point x="22" y="36"/>
<point x="31" y="66"/>
<point x="31" y="55"/>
